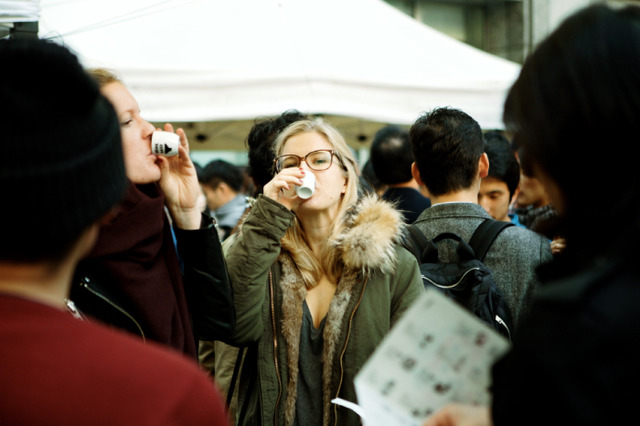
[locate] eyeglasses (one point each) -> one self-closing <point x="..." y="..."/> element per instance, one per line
<point x="318" y="160"/>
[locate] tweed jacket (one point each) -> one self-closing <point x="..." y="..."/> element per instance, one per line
<point x="513" y="257"/>
<point x="379" y="282"/>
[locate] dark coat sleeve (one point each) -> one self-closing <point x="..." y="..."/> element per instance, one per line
<point x="206" y="282"/>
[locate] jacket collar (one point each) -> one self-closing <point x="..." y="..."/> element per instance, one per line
<point x="368" y="235"/>
<point x="448" y="210"/>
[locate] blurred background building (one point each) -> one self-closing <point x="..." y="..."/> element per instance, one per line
<point x="506" y="28"/>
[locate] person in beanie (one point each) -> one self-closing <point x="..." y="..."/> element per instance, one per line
<point x="134" y="278"/>
<point x="61" y="147"/>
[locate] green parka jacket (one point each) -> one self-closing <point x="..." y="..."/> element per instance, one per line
<point x="380" y="280"/>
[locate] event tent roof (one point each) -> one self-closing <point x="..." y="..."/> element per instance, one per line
<point x="224" y="62"/>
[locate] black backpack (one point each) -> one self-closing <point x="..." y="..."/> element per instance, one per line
<point x="467" y="281"/>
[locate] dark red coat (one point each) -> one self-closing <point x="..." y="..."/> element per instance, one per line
<point x="57" y="370"/>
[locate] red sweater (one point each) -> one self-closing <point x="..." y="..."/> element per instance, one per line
<point x="55" y="369"/>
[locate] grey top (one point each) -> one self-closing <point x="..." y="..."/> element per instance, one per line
<point x="309" y="401"/>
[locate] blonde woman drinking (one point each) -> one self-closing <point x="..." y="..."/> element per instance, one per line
<point x="318" y="283"/>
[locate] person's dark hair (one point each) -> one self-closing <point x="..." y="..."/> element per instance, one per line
<point x="391" y="155"/>
<point x="368" y="175"/>
<point x="260" y="145"/>
<point x="503" y="164"/>
<point x="574" y="111"/>
<point x="446" y="144"/>
<point x="61" y="151"/>
<point x="218" y="171"/>
<point x="199" y="171"/>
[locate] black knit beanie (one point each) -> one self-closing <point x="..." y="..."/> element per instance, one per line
<point x="61" y="164"/>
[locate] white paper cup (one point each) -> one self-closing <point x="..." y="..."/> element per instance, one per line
<point x="308" y="186"/>
<point x="165" y="143"/>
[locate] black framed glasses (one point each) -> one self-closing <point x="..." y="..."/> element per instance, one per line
<point x="318" y="160"/>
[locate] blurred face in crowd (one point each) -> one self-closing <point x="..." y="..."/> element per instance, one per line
<point x="494" y="198"/>
<point x="532" y="192"/>
<point x="218" y="195"/>
<point x="140" y="162"/>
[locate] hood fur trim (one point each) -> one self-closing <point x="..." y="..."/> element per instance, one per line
<point x="369" y="233"/>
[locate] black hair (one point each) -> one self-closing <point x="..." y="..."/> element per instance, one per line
<point x="199" y="171"/>
<point x="503" y="164"/>
<point x="218" y="171"/>
<point x="260" y="145"/>
<point x="446" y="144"/>
<point x="391" y="155"/>
<point x="574" y="111"/>
<point x="368" y="178"/>
<point x="62" y="148"/>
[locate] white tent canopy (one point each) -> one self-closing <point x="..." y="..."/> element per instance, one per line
<point x="215" y="60"/>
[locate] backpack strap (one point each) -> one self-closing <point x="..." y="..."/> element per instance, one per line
<point x="484" y="236"/>
<point x="234" y="377"/>
<point x="415" y="241"/>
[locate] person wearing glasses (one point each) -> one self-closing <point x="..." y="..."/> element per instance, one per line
<point x="317" y="283"/>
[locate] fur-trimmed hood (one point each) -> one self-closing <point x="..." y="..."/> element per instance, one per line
<point x="368" y="235"/>
<point x="366" y="240"/>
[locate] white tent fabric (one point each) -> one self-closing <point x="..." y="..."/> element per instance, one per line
<point x="212" y="60"/>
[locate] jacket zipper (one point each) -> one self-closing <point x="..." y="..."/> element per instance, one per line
<point x="504" y="324"/>
<point x="452" y="285"/>
<point x="73" y="310"/>
<point x="344" y="349"/>
<point x="275" y="349"/>
<point x="116" y="307"/>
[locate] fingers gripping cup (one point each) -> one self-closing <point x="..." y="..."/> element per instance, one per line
<point x="165" y="143"/>
<point x="308" y="186"/>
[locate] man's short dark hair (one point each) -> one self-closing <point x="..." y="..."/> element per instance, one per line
<point x="218" y="171"/>
<point x="446" y="144"/>
<point x="391" y="155"/>
<point x="503" y="164"/>
<point x="260" y="145"/>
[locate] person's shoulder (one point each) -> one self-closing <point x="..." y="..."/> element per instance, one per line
<point x="132" y="352"/>
<point x="518" y="240"/>
<point x="521" y="233"/>
<point x="138" y="382"/>
<point x="403" y="254"/>
<point x="110" y="353"/>
<point x="157" y="375"/>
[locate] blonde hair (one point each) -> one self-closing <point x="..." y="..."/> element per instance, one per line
<point x="104" y="76"/>
<point x="330" y="261"/>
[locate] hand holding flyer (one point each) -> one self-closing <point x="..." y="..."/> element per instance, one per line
<point x="437" y="353"/>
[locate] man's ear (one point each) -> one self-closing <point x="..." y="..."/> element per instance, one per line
<point x="416" y="174"/>
<point x="483" y="166"/>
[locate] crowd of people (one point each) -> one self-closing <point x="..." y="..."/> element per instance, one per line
<point x="159" y="292"/>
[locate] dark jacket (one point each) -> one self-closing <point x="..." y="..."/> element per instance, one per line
<point x="134" y="279"/>
<point x="409" y="201"/>
<point x="576" y="358"/>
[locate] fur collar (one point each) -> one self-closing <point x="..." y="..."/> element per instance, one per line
<point x="369" y="233"/>
<point x="366" y="241"/>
